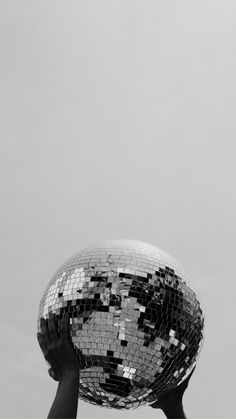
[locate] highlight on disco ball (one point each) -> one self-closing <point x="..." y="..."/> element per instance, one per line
<point x="134" y="317"/>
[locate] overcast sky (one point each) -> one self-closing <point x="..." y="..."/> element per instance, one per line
<point x="117" y="121"/>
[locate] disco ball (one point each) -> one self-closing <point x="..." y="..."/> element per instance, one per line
<point x="133" y="315"/>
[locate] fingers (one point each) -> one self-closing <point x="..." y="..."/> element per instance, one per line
<point x="42" y="343"/>
<point x="184" y="384"/>
<point x="44" y="346"/>
<point x="190" y="375"/>
<point x="64" y="327"/>
<point x="52" y="327"/>
<point x="44" y="330"/>
<point x="49" y="332"/>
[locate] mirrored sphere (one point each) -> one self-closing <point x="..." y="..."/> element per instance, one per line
<point x="134" y="316"/>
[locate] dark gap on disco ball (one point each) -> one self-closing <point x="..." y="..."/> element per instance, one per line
<point x="120" y="386"/>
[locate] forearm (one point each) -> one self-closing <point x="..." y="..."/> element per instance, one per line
<point x="66" y="400"/>
<point x="175" y="411"/>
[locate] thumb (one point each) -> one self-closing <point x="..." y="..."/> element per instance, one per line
<point x="184" y="384"/>
<point x="190" y="375"/>
<point x="52" y="374"/>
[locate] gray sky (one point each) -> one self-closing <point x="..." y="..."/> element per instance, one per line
<point x="117" y="121"/>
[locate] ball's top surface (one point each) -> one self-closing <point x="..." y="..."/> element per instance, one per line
<point x="126" y="252"/>
<point x="133" y="315"/>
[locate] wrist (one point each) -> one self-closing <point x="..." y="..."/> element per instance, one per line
<point x="174" y="409"/>
<point x="70" y="372"/>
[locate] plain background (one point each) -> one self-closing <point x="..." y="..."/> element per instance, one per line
<point x="117" y="121"/>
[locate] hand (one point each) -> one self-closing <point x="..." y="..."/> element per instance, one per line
<point x="56" y="347"/>
<point x="173" y="397"/>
